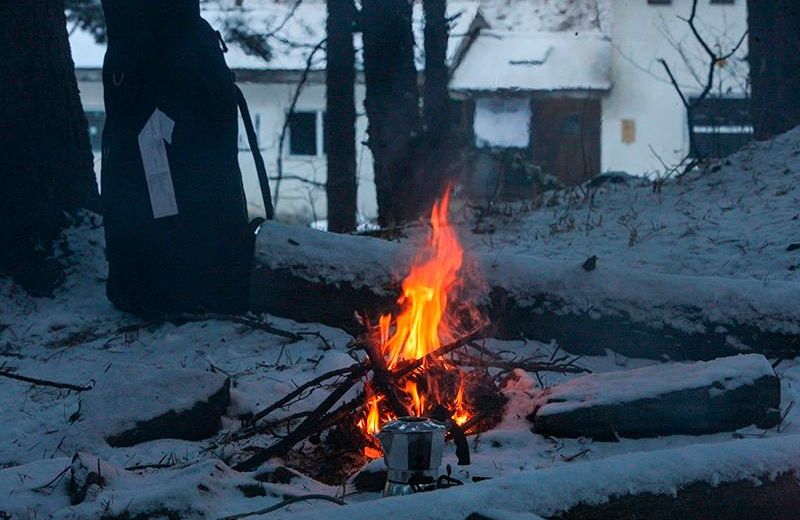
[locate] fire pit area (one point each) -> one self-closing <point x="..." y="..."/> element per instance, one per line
<point x="422" y="364"/>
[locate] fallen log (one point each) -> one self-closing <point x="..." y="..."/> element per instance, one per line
<point x="667" y="399"/>
<point x="131" y="404"/>
<point x="313" y="276"/>
<point x="751" y="479"/>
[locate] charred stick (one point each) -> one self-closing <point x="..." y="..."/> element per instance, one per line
<point x="410" y="366"/>
<point x="382" y="378"/>
<point x="44" y="382"/>
<point x="303" y="430"/>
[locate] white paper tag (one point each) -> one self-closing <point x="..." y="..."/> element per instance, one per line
<point x="156" y="164"/>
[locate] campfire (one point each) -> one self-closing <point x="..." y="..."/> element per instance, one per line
<point x="423" y="359"/>
<point x="428" y="318"/>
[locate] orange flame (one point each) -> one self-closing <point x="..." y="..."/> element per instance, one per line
<point x="422" y="326"/>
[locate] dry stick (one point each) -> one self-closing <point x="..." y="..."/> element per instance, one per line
<point x="306" y="428"/>
<point x="241" y="320"/>
<point x="471" y="361"/>
<point x="44" y="382"/>
<point x="356" y="369"/>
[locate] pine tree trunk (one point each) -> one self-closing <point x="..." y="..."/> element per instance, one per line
<point x="436" y="105"/>
<point x="774" y="55"/>
<point x="392" y="103"/>
<point x="46" y="162"/>
<point x="340" y="117"/>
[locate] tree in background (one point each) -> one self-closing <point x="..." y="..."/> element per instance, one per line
<point x="340" y="116"/>
<point x="774" y="55"/>
<point x="436" y="114"/>
<point x="46" y="162"/>
<point x="392" y="104"/>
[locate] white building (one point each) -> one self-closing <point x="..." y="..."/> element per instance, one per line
<point x="575" y="87"/>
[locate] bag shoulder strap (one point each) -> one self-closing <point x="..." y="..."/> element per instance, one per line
<point x="252" y="140"/>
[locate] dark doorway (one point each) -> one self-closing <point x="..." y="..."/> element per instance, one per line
<point x="566" y="138"/>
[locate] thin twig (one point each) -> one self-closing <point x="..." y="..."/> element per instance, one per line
<point x="284" y="503"/>
<point x="292" y="106"/>
<point x="44" y="382"/>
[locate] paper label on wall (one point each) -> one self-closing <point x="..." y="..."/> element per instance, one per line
<point x="156" y="163"/>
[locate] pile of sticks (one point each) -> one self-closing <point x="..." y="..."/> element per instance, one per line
<point x="466" y="351"/>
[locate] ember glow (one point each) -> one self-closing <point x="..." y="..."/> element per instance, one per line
<point x="424" y="324"/>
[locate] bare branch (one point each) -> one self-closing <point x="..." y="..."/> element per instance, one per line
<point x="292" y="106"/>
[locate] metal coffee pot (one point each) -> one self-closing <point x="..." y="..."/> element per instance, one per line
<point x="412" y="451"/>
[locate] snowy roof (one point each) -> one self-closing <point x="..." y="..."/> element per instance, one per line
<point x="535" y="61"/>
<point x="292" y="29"/>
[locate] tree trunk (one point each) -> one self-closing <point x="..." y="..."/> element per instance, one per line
<point x="46" y="162"/>
<point x="392" y="103"/>
<point x="436" y="105"/>
<point x="340" y="117"/>
<point x="774" y="55"/>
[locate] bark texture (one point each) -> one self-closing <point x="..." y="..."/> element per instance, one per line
<point x="437" y="119"/>
<point x="340" y="117"/>
<point x="46" y="162"/>
<point x="392" y="103"/>
<point x="774" y="56"/>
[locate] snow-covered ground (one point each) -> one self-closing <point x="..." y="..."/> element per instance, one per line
<point x="734" y="220"/>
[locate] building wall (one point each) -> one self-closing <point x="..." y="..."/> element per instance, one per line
<point x="298" y="201"/>
<point x="641" y="34"/>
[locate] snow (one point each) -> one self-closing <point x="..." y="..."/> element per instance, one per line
<point x="511" y="62"/>
<point x="616" y="387"/>
<point x="548" y="15"/>
<point x="733" y="219"/>
<point x="502" y="123"/>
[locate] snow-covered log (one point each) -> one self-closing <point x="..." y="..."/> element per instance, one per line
<point x="668" y="399"/>
<point x="733" y="480"/>
<point x="133" y="403"/>
<point x="313" y="276"/>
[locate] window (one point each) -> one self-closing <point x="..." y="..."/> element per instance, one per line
<point x="96" y="120"/>
<point x="659" y="2"/>
<point x="306" y="133"/>
<point x="722" y="2"/>
<point x="720" y="126"/>
<point x="502" y="123"/>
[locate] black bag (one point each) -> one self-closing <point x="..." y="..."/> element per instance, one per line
<point x="177" y="232"/>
